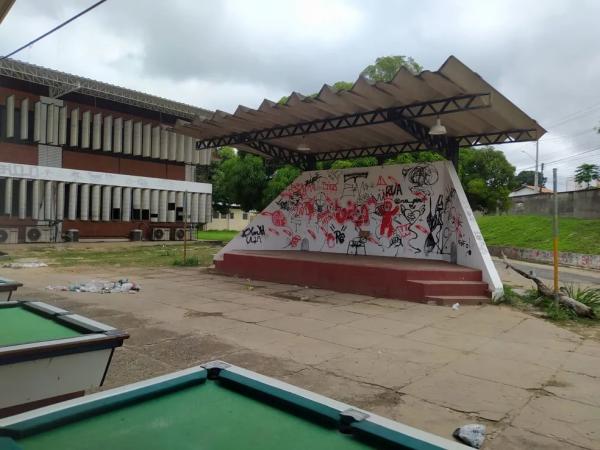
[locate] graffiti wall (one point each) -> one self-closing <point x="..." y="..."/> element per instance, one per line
<point x="406" y="211"/>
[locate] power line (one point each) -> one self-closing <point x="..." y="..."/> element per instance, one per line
<point x="574" y="156"/>
<point x="76" y="16"/>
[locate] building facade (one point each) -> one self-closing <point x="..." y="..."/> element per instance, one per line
<point x="78" y="154"/>
<point x="234" y="220"/>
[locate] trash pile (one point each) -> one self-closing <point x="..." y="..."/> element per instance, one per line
<point x="24" y="265"/>
<point x="100" y="287"/>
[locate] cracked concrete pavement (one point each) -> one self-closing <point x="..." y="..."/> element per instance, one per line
<point x="533" y="384"/>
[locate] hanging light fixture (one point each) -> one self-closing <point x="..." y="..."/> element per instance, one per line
<point x="438" y="128"/>
<point x="303" y="146"/>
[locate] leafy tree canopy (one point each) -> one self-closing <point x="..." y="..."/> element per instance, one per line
<point x="586" y="173"/>
<point x="528" y="177"/>
<point x="239" y="180"/>
<point x="487" y="178"/>
<point x="281" y="179"/>
<point x="386" y="67"/>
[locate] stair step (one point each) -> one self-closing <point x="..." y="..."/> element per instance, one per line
<point x="452" y="287"/>
<point x="449" y="300"/>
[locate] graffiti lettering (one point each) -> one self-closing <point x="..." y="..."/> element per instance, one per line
<point x="253" y="234"/>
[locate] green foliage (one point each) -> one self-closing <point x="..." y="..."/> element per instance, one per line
<point x="367" y="161"/>
<point x="586" y="173"/>
<point x="239" y="180"/>
<point x="342" y="85"/>
<point x="190" y="261"/>
<point x="528" y="177"/>
<point x="409" y="158"/>
<point x="576" y="235"/>
<point x="281" y="179"/>
<point x="487" y="177"/>
<point x="531" y="301"/>
<point x="588" y="296"/>
<point x="386" y="67"/>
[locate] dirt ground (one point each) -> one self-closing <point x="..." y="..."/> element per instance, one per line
<point x="533" y="384"/>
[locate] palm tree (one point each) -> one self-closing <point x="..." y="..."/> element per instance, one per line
<point x="586" y="173"/>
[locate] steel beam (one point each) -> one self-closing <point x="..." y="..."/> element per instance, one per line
<point x="431" y="108"/>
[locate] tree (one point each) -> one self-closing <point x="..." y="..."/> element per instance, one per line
<point x="487" y="178"/>
<point x="409" y="158"/>
<point x="386" y="67"/>
<point x="528" y="177"/>
<point x="239" y="180"/>
<point x="586" y="173"/>
<point x="280" y="180"/>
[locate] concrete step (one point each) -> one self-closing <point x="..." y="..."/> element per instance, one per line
<point x="449" y="300"/>
<point x="448" y="287"/>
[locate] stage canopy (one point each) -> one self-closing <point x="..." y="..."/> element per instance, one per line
<point x="372" y="119"/>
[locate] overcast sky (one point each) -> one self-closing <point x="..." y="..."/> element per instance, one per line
<point x="544" y="55"/>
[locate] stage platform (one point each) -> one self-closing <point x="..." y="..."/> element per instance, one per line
<point x="411" y="279"/>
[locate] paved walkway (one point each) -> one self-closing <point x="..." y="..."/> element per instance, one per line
<point x="535" y="385"/>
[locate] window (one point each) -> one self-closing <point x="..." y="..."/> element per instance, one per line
<point x="245" y="216"/>
<point x="223" y="216"/>
<point x="231" y="216"/>
<point x="215" y="214"/>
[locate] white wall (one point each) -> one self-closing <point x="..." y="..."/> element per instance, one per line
<point x="412" y="210"/>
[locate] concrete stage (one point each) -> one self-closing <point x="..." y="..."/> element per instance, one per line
<point x="420" y="280"/>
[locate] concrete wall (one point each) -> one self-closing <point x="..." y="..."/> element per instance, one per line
<point x="413" y="210"/>
<point x="583" y="204"/>
<point x="547" y="257"/>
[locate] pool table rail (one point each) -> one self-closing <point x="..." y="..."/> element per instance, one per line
<point x="348" y="419"/>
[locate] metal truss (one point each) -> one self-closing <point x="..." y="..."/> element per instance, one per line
<point x="503" y="137"/>
<point x="421" y="133"/>
<point x="279" y="153"/>
<point x="60" y="83"/>
<point x="376" y="150"/>
<point x="449" y="105"/>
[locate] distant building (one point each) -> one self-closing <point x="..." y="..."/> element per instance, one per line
<point x="235" y="220"/>
<point x="79" y="154"/>
<point x="529" y="190"/>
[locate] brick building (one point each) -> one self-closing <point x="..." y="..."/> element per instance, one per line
<point x="78" y="154"/>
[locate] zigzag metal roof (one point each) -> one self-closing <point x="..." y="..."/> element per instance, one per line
<point x="373" y="118"/>
<point x="61" y="82"/>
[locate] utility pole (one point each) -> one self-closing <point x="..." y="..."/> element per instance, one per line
<point x="555" y="232"/>
<point x="537" y="158"/>
<point x="542" y="180"/>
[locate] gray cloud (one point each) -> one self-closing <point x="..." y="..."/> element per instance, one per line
<point x="542" y="55"/>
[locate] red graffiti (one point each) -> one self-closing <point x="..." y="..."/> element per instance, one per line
<point x="273" y="231"/>
<point x="278" y="219"/>
<point x="387" y="213"/>
<point x="312" y="233"/>
<point x="381" y="181"/>
<point x="422" y="229"/>
<point x="294" y="241"/>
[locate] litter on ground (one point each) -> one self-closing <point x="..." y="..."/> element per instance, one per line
<point x="24" y="265"/>
<point x="100" y="287"/>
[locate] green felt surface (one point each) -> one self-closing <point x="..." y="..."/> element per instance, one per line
<point x="19" y="326"/>
<point x="202" y="417"/>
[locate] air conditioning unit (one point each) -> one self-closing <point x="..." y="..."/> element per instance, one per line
<point x="9" y="235"/>
<point x="179" y="233"/>
<point x="72" y="235"/>
<point x="39" y="234"/>
<point x="161" y="234"/>
<point x="136" y="235"/>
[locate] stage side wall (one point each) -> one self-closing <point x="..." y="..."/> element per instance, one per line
<point x="411" y="210"/>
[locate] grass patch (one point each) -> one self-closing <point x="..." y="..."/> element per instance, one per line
<point x="530" y="301"/>
<point x="217" y="235"/>
<point x="576" y="235"/>
<point x="122" y="254"/>
<point x="190" y="261"/>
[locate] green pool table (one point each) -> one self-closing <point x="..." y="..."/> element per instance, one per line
<point x="48" y="354"/>
<point x="7" y="287"/>
<point x="216" y="406"/>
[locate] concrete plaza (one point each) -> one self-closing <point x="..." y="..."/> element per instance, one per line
<point x="533" y="384"/>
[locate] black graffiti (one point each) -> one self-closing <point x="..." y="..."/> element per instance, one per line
<point x="253" y="234"/>
<point x="351" y="183"/>
<point x="395" y="241"/>
<point x="313" y="179"/>
<point x="340" y="235"/>
<point x="392" y="190"/>
<point x="435" y="223"/>
<point x="419" y="176"/>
